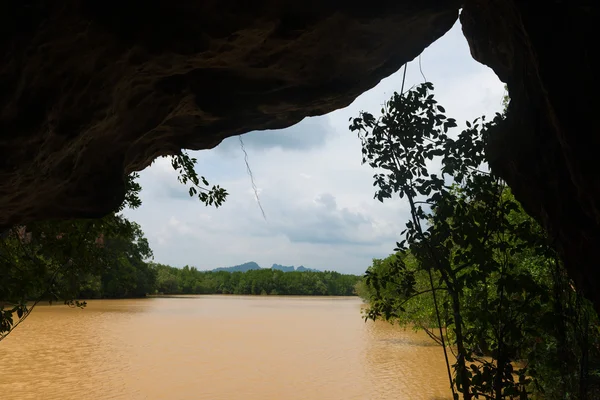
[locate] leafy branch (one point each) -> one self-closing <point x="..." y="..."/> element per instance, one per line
<point x="198" y="185"/>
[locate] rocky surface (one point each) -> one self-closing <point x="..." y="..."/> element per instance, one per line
<point x="92" y="90"/>
<point x="548" y="148"/>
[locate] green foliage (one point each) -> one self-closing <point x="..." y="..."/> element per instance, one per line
<point x="184" y="165"/>
<point x="124" y="271"/>
<point x="188" y="280"/>
<point x="132" y="192"/>
<point x="472" y="269"/>
<point x="397" y="290"/>
<point x="65" y="260"/>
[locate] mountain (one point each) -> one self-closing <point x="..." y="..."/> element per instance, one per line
<point x="241" y="268"/>
<point x="304" y="269"/>
<point x="252" y="265"/>
<point x="282" y="268"/>
<point x="291" y="268"/>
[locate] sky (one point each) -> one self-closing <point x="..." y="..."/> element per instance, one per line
<point x="317" y="197"/>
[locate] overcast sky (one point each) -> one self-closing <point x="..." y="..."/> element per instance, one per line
<point x="317" y="196"/>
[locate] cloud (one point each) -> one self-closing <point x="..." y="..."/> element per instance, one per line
<point x="322" y="221"/>
<point x="327" y="200"/>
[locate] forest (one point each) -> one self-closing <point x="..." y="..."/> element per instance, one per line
<point x="265" y="281"/>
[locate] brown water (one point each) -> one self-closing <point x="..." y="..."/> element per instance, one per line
<point x="217" y="347"/>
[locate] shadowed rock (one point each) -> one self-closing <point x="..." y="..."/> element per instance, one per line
<point x="547" y="149"/>
<point x="93" y="90"/>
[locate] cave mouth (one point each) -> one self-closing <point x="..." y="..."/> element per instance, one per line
<point x="90" y="93"/>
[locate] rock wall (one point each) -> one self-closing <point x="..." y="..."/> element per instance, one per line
<point x="91" y="90"/>
<point x="547" y="150"/>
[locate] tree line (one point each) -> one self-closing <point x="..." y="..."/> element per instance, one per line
<point x="127" y="278"/>
<point x="188" y="280"/>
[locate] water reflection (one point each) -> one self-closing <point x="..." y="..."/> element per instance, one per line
<point x="217" y="347"/>
<point x="403" y="364"/>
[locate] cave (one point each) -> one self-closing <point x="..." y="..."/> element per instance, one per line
<point x="92" y="91"/>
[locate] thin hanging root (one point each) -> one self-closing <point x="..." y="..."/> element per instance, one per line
<point x="251" y="177"/>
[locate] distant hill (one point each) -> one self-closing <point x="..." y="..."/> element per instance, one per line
<point x="285" y="268"/>
<point x="241" y="268"/>
<point x="282" y="268"/>
<point x="252" y="265"/>
<point x="304" y="269"/>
